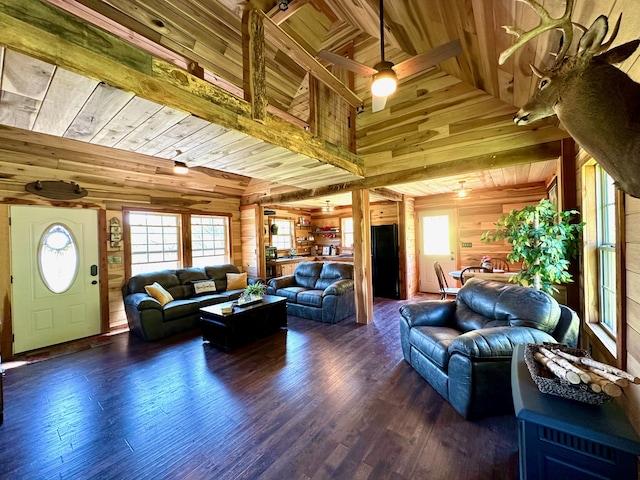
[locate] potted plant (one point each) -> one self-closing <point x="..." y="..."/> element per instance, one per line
<point x="544" y="239"/>
<point x="254" y="291"/>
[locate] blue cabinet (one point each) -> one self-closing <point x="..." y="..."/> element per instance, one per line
<point x="563" y="439"/>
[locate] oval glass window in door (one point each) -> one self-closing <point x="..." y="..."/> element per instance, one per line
<point x="58" y="258"/>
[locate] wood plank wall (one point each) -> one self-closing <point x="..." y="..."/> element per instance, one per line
<point x="114" y="180"/>
<point x="478" y="213"/>
<point x="632" y="304"/>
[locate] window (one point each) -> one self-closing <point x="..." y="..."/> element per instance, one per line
<point x="209" y="240"/>
<point x="58" y="258"/>
<point x="154" y="241"/>
<point x="435" y="234"/>
<point x="347" y="232"/>
<point x="158" y="240"/>
<point x="282" y="234"/>
<point x="606" y="247"/>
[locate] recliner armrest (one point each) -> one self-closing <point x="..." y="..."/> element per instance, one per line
<point x="431" y="313"/>
<point x="496" y="341"/>
<point x="282" y="282"/>
<point x="255" y="280"/>
<point x="142" y="301"/>
<point x="339" y="287"/>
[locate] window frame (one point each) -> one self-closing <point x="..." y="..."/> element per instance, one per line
<point x="185" y="253"/>
<point x="291" y="235"/>
<point x="344" y="232"/>
<point x="590" y="281"/>
<point x="606" y="248"/>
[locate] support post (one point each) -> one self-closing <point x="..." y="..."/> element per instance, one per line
<point x="362" y="256"/>
<point x="253" y="71"/>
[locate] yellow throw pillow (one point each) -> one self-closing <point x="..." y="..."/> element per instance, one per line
<point x="236" y="281"/>
<point x="159" y="293"/>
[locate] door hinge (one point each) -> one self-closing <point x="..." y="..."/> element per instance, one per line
<point x="9" y="221"/>
<point x="11" y="278"/>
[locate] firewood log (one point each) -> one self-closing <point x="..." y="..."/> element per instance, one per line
<point x="566" y="364"/>
<point x="610" y="369"/>
<point x="621" y="382"/>
<point x="557" y="370"/>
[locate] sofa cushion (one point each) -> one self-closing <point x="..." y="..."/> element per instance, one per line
<point x="307" y="273"/>
<point x="159" y="293"/>
<point x="166" y="278"/>
<point x="433" y="343"/>
<point x="189" y="275"/>
<point x="290" y="293"/>
<point x="311" y="298"/>
<point x="331" y="272"/>
<point x="236" y="281"/>
<point x="519" y="306"/>
<point x="180" y="308"/>
<point x="467" y="319"/>
<point x="219" y="274"/>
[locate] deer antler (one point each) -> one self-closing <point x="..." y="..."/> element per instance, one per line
<point x="546" y="23"/>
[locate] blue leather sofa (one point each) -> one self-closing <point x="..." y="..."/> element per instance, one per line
<point x="151" y="321"/>
<point x="321" y="291"/>
<point x="463" y="347"/>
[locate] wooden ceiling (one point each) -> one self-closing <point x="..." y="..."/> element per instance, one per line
<point x="441" y="127"/>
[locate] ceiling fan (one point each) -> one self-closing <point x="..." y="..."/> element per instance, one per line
<point x="385" y="74"/>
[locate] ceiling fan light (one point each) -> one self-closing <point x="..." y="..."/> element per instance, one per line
<point x="385" y="81"/>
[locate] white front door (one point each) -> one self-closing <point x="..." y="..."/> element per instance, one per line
<point x="54" y="267"/>
<point x="437" y="243"/>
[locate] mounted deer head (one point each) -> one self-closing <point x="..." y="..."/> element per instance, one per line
<point x="597" y="103"/>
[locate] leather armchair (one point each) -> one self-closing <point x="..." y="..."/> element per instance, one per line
<point x="463" y="347"/>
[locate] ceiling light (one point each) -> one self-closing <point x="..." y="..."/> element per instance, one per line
<point x="180" y="168"/>
<point x="462" y="192"/>
<point x="385" y="81"/>
<point x="327" y="208"/>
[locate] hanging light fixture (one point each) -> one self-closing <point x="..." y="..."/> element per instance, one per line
<point x="462" y="192"/>
<point x="180" y="168"/>
<point x="327" y="208"/>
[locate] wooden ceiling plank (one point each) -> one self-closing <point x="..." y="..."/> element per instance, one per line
<point x="66" y="89"/>
<point x="133" y="114"/>
<point x="155" y="125"/>
<point x="181" y="130"/>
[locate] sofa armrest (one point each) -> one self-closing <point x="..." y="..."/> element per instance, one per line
<point x="255" y="280"/>
<point x="142" y="301"/>
<point x="282" y="282"/>
<point x="339" y="287"/>
<point x="496" y="341"/>
<point x="431" y="313"/>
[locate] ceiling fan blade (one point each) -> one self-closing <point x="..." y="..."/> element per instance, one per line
<point x="378" y="103"/>
<point x="347" y="63"/>
<point x="423" y="61"/>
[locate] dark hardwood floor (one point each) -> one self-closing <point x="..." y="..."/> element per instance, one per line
<point x="316" y="401"/>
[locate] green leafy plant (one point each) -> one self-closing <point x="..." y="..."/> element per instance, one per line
<point x="255" y="290"/>
<point x="544" y="239"/>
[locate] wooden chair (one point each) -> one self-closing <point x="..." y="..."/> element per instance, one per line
<point x="472" y="270"/>
<point x="501" y="264"/>
<point x="445" y="290"/>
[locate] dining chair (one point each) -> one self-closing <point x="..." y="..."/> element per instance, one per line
<point x="500" y="263"/>
<point x="472" y="270"/>
<point x="445" y="290"/>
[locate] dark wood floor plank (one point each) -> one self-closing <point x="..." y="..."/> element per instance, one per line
<point x="317" y="401"/>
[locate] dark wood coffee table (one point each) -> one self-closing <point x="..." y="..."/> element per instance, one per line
<point x="244" y="324"/>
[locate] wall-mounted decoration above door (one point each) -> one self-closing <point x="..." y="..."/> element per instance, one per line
<point x="56" y="189"/>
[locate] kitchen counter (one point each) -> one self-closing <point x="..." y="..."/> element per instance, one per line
<point x="309" y="258"/>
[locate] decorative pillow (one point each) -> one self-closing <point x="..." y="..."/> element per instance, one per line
<point x="159" y="293"/>
<point x="202" y="287"/>
<point x="236" y="281"/>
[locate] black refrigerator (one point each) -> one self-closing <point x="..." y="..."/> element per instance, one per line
<point x="385" y="261"/>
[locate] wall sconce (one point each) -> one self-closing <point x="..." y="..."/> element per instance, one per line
<point x="180" y="168"/>
<point x="327" y="208"/>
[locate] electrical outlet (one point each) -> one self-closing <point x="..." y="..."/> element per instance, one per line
<point x="466" y="245"/>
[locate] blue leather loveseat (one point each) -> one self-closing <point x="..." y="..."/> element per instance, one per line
<point x="463" y="347"/>
<point x="321" y="291"/>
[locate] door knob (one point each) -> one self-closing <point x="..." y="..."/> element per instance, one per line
<point x="94" y="270"/>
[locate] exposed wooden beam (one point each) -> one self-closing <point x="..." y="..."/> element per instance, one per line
<point x="388" y="194"/>
<point x="254" y="80"/>
<point x="280" y="16"/>
<point x="42" y="31"/>
<point x="362" y="269"/>
<point x="303" y="58"/>
<point x="537" y="153"/>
